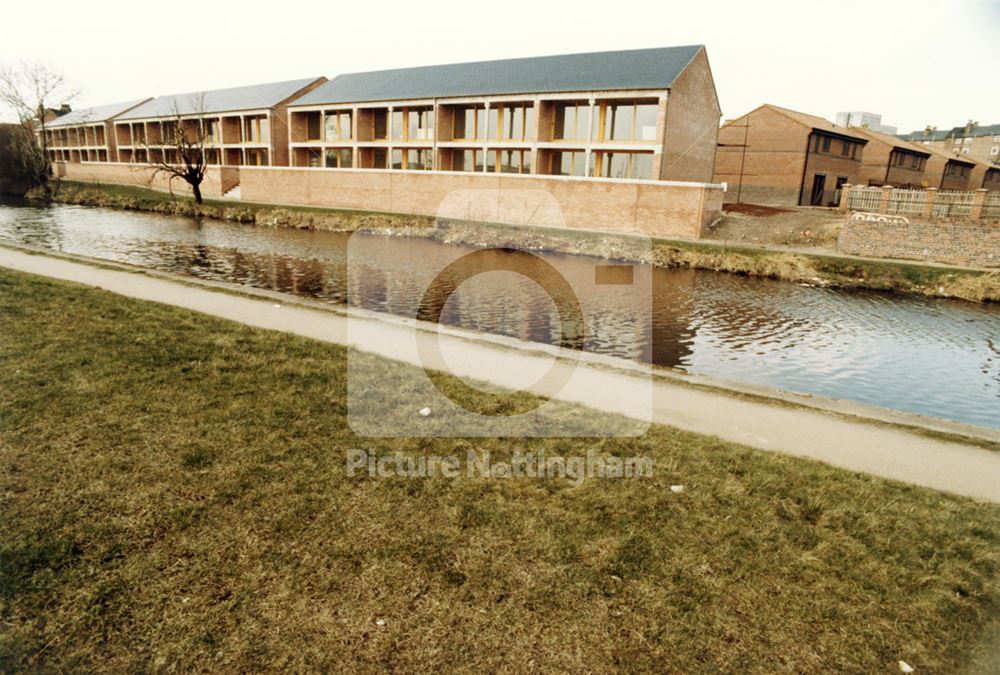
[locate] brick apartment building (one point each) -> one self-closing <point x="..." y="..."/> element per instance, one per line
<point x="242" y="125"/>
<point x="774" y="155"/>
<point x="888" y="160"/>
<point x="638" y="114"/>
<point x="972" y="141"/>
<point x="86" y="135"/>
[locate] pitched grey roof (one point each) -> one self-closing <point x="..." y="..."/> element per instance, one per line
<point x="219" y="100"/>
<point x="631" y="69"/>
<point x="94" y="115"/>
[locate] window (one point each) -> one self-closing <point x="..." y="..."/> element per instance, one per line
<point x="967" y="140"/>
<point x="379" y="158"/>
<point x="571" y="122"/>
<point x="469" y="124"/>
<point x="313" y="131"/>
<point x="845" y="149"/>
<point x="419" y="159"/>
<point x="517" y="122"/>
<point x="381" y="125"/>
<point x="515" y="161"/>
<point x="826" y="144"/>
<point x="338" y="125"/>
<point x="628" y="121"/>
<point x="339" y="158"/>
<point x="421" y="125"/>
<point x="256" y="157"/>
<point x="635" y="165"/>
<point x="413" y="124"/>
<point x="397" y="128"/>
<point x="467" y="160"/>
<point x="569" y="163"/>
<point x="255" y="129"/>
<point x="211" y="128"/>
<point x="995" y="150"/>
<point x="914" y="162"/>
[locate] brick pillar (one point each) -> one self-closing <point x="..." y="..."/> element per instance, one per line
<point x="978" y="200"/>
<point x="929" y="203"/>
<point x="883" y="203"/>
<point x="845" y="189"/>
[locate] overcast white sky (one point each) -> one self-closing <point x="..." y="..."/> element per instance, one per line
<point x="916" y="62"/>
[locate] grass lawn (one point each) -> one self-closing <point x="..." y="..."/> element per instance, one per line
<point x="174" y="496"/>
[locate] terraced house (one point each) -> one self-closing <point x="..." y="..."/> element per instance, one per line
<point x="640" y="114"/>
<point x="774" y="155"/>
<point x="241" y="125"/>
<point x="86" y="135"/>
<point x="888" y="160"/>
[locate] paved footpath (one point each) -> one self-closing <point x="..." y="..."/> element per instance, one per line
<point x="845" y="441"/>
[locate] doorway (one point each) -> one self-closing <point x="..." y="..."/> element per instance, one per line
<point x="819" y="186"/>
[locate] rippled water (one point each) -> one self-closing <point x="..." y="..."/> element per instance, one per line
<point x="935" y="357"/>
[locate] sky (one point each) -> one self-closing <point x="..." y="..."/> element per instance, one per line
<point x="916" y="62"/>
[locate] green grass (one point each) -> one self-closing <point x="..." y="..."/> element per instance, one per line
<point x="174" y="496"/>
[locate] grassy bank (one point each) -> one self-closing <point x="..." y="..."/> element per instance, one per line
<point x="174" y="497"/>
<point x="819" y="269"/>
<point x="267" y="215"/>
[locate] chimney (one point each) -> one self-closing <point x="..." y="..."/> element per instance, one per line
<point x="969" y="126"/>
<point x="64" y="108"/>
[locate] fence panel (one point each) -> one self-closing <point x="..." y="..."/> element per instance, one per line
<point x="953" y="203"/>
<point x="991" y="207"/>
<point x="864" y="199"/>
<point x="907" y="202"/>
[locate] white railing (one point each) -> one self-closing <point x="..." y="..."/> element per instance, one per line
<point x="952" y="203"/>
<point x="991" y="206"/>
<point x="864" y="199"/>
<point x="907" y="202"/>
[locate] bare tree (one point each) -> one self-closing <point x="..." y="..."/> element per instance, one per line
<point x="30" y="88"/>
<point x="180" y="152"/>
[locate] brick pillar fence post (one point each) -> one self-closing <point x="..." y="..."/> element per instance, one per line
<point x="845" y="190"/>
<point x="978" y="199"/>
<point x="883" y="204"/>
<point x="929" y="203"/>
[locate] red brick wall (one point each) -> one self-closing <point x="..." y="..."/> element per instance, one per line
<point x="692" y="124"/>
<point x="141" y="175"/>
<point x="648" y="208"/>
<point x="968" y="244"/>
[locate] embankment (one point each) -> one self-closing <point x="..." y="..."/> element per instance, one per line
<point x="834" y="271"/>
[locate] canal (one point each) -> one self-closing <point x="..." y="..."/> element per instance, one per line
<point x="929" y="356"/>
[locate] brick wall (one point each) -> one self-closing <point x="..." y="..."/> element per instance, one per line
<point x="657" y="209"/>
<point x="967" y="244"/>
<point x="217" y="179"/>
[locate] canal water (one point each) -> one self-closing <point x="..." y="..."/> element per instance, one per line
<point x="934" y="357"/>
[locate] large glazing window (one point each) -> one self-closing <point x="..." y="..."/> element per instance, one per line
<point x="338" y="125"/>
<point x="571" y="122"/>
<point x="633" y="120"/>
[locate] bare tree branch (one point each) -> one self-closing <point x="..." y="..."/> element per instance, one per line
<point x="184" y="137"/>
<point x="30" y="88"/>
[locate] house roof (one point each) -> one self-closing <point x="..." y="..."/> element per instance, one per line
<point x="251" y="97"/>
<point x="893" y="141"/>
<point x="595" y="71"/>
<point x="815" y="122"/>
<point x="94" y="115"/>
<point x="976" y="132"/>
<point x="925" y="135"/>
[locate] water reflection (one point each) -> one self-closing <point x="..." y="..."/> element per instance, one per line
<point x="930" y="356"/>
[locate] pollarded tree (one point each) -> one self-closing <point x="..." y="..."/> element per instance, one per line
<point x="180" y="152"/>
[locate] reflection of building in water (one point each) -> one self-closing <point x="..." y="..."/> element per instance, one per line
<point x="673" y="330"/>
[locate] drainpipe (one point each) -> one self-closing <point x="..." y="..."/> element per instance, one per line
<point x="805" y="165"/>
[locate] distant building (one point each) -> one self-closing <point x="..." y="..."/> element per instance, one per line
<point x="86" y="135"/>
<point x="866" y="120"/>
<point x="774" y="155"/>
<point x="972" y="140"/>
